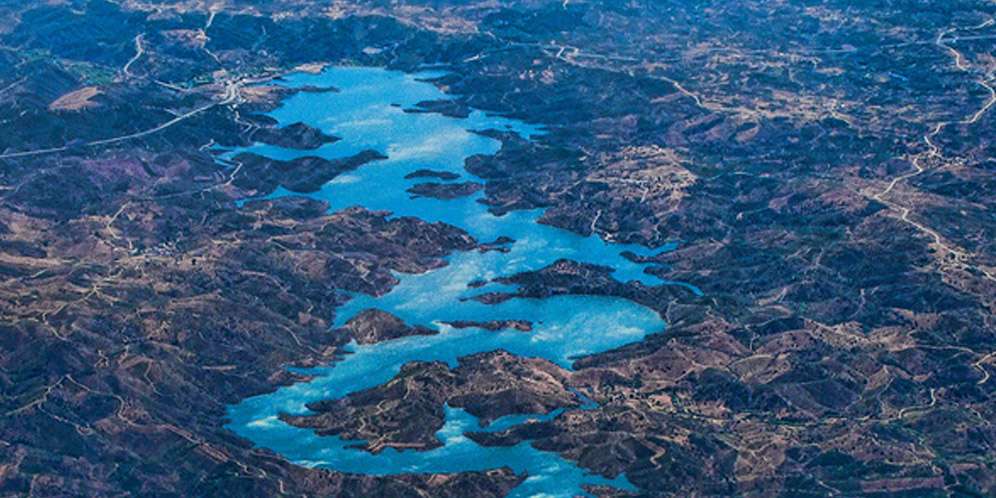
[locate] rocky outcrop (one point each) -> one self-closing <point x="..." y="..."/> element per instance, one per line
<point x="263" y="175"/>
<point x="372" y="326"/>
<point x="430" y="173"/>
<point x="408" y="411"/>
<point x="294" y="136"/>
<point x="494" y="325"/>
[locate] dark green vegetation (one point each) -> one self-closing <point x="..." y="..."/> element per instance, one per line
<point x="827" y="165"/>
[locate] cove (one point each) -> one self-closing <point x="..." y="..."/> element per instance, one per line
<point x="368" y="112"/>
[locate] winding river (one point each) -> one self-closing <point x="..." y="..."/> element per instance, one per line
<point x="368" y="113"/>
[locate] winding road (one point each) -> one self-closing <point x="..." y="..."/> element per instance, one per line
<point x="232" y="94"/>
<point x="139" y="51"/>
<point x="934" y="152"/>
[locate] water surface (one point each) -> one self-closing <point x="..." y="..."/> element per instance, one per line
<point x="368" y="113"/>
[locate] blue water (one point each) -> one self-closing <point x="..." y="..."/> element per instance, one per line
<point x="367" y="113"/>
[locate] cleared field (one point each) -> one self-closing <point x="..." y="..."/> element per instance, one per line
<point x="75" y="100"/>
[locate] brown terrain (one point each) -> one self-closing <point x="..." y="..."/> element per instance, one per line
<point x="826" y="166"/>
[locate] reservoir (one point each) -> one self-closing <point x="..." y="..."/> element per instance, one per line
<point x="368" y="112"/>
